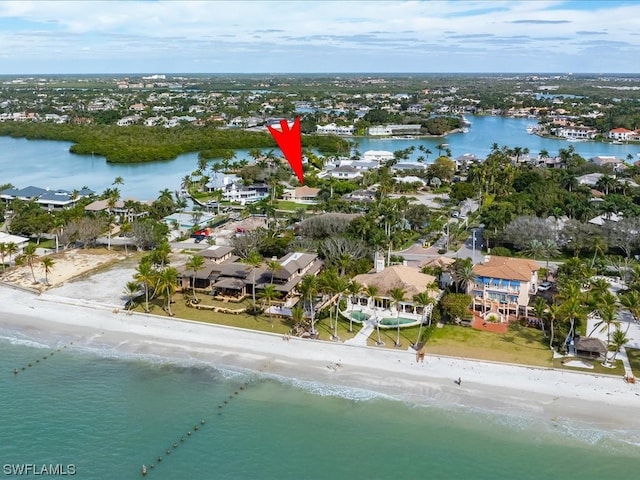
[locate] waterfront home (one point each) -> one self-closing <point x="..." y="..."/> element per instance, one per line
<point x="346" y="172"/>
<point x="503" y="286"/>
<point x="19" y="241"/>
<point x="377" y="156"/>
<point x="185" y="221"/>
<point x="623" y="134"/>
<point x="124" y="209"/>
<point x="387" y="130"/>
<point x="608" y="161"/>
<point x="47" y="199"/>
<point x="236" y="192"/>
<point x="220" y="182"/>
<point x="302" y="194"/>
<point x="217" y="253"/>
<point x="385" y="280"/>
<point x="576" y="132"/>
<point x="333" y="129"/>
<point x="590" y="179"/>
<point x="237" y="280"/>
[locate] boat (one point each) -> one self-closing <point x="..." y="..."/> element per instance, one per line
<point x="465" y="130"/>
<point x="465" y="121"/>
<point x="530" y="129"/>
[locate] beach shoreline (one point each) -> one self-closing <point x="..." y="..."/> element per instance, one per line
<point x="597" y="401"/>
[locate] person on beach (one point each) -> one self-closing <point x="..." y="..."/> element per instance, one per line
<point x="458" y="382"/>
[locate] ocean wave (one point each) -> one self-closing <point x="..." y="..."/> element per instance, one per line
<point x="328" y="390"/>
<point x="22" y="341"/>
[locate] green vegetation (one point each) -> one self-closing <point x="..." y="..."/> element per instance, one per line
<point x="134" y="144"/>
<point x="520" y="345"/>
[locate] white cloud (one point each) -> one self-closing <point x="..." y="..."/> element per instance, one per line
<point x="390" y="36"/>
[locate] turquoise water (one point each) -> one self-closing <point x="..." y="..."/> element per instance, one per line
<point x="49" y="164"/>
<point x="108" y="415"/>
<point x="396" y="321"/>
<point x="359" y="316"/>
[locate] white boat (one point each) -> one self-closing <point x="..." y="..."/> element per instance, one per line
<point x="466" y="121"/>
<point x="530" y="129"/>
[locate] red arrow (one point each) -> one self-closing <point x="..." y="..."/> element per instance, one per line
<point x="290" y="142"/>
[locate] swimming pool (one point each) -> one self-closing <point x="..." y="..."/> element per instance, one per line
<point x="359" y="316"/>
<point x="395" y="321"/>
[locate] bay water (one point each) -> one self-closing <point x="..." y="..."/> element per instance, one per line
<point x="49" y="164"/>
<point x="107" y="414"/>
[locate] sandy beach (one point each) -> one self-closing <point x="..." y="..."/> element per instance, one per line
<point x="551" y="395"/>
<point x="68" y="265"/>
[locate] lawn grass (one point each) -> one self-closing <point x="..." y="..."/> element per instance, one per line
<point x="262" y="323"/>
<point x="408" y="336"/>
<point x="242" y="320"/>
<point x="559" y="363"/>
<point x="519" y="345"/>
<point x="633" y="354"/>
<point x="290" y="206"/>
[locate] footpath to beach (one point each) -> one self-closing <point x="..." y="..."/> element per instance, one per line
<point x="552" y="395"/>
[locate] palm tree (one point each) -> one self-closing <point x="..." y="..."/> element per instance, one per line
<point x="145" y="276"/>
<point x="273" y="266"/>
<point x="631" y="301"/>
<point x="130" y="290"/>
<point x="553" y="311"/>
<point x="297" y="316"/>
<point x="397" y="295"/>
<point x="308" y="288"/>
<point x="340" y="287"/>
<point x="618" y="339"/>
<point x="28" y="256"/>
<point x="47" y="265"/>
<point x="539" y="308"/>
<point x="423" y="300"/>
<point x="372" y="292"/>
<point x="112" y="200"/>
<point x="462" y="273"/>
<point x="254" y="259"/>
<point x="118" y="181"/>
<point x="608" y="310"/>
<point x="126" y="228"/>
<point x="195" y="263"/>
<point x="354" y="288"/>
<point x="12" y="249"/>
<point x="3" y="252"/>
<point x="167" y="279"/>
<point x="267" y="295"/>
<point x="573" y="310"/>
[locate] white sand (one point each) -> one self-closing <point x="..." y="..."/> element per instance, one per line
<point x="68" y="265"/>
<point x="552" y="395"/>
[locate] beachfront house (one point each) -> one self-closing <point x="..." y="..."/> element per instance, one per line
<point x="503" y="286"/>
<point x="385" y="280"/>
<point x="20" y="243"/>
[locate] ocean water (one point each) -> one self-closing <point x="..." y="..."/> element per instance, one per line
<point x="107" y="415"/>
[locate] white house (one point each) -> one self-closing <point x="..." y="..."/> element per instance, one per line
<point x="333" y="129"/>
<point x="20" y="242"/>
<point x="622" y="134"/>
<point x="377" y="156"/>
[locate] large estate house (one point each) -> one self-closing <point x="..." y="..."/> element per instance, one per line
<point x="227" y="278"/>
<point x="503" y="286"/>
<point x="47" y="199"/>
<point x="409" y="279"/>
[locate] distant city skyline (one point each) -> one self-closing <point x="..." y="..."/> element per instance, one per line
<point x="154" y="36"/>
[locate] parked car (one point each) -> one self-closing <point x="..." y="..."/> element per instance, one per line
<point x="544" y="286"/>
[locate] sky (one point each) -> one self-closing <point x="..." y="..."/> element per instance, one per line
<point x="430" y="36"/>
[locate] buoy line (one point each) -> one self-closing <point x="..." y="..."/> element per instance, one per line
<point x="197" y="427"/>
